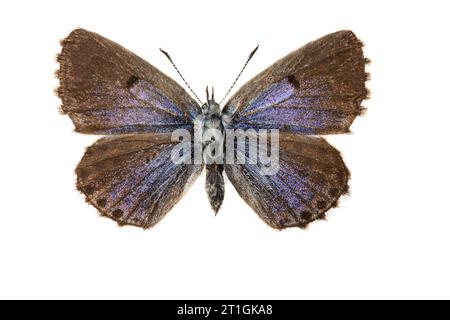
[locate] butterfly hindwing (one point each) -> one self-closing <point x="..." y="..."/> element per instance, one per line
<point x="106" y="89"/>
<point x="131" y="178"/>
<point x="309" y="181"/>
<point x="317" y="89"/>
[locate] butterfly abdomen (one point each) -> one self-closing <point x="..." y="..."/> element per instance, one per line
<point x="215" y="186"/>
<point x="213" y="153"/>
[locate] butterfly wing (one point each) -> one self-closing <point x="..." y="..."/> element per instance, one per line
<point x="106" y="89"/>
<point x="131" y="178"/>
<point x="309" y="181"/>
<point x="317" y="89"/>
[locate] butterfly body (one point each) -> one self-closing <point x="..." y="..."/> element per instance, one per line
<point x="213" y="142"/>
<point x="130" y="175"/>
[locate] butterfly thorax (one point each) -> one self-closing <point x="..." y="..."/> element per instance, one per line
<point x="213" y="153"/>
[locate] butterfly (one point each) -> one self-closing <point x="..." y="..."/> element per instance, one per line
<point x="129" y="175"/>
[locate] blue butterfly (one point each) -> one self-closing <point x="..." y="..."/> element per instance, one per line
<point x="130" y="175"/>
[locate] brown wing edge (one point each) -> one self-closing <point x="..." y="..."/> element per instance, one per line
<point x="63" y="67"/>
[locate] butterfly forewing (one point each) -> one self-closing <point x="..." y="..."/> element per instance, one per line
<point x="317" y="89"/>
<point x="106" y="89"/>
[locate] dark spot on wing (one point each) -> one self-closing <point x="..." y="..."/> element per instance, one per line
<point x="83" y="173"/>
<point x="89" y="189"/>
<point x="333" y="192"/>
<point x="101" y="202"/>
<point x="131" y="81"/>
<point x="322" y="216"/>
<point x="117" y="213"/>
<point x="321" y="204"/>
<point x="306" y="215"/>
<point x="293" y="80"/>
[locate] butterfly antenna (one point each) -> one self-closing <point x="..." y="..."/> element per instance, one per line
<point x="178" y="71"/>
<point x="242" y="70"/>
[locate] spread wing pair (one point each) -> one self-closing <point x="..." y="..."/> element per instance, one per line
<point x="128" y="175"/>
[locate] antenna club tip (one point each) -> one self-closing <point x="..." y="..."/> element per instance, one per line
<point x="165" y="52"/>
<point x="253" y="52"/>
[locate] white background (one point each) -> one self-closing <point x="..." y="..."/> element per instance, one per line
<point x="388" y="239"/>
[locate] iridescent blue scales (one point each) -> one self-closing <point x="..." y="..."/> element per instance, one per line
<point x="106" y="89"/>
<point x="317" y="89"/>
<point x="129" y="176"/>
<point x="310" y="179"/>
<point x="282" y="107"/>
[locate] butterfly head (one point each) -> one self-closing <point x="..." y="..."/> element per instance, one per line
<point x="211" y="107"/>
